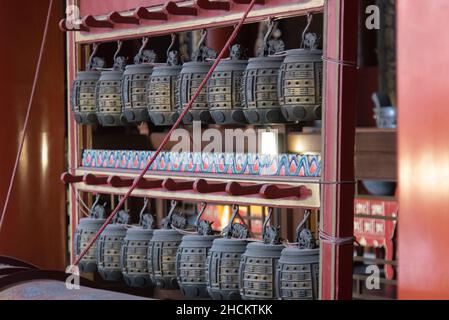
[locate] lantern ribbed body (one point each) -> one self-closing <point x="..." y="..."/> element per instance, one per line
<point x="162" y="258"/>
<point x="134" y="93"/>
<point x="85" y="231"/>
<point x="258" y="271"/>
<point x="134" y="260"/>
<point x="109" y="98"/>
<point x="260" y="98"/>
<point x="108" y="252"/>
<point x="222" y="270"/>
<point x="298" y="274"/>
<point x="224" y="92"/>
<point x="162" y="94"/>
<point x="83" y="97"/>
<point x="191" y="265"/>
<point x="190" y="78"/>
<point x="300" y="85"/>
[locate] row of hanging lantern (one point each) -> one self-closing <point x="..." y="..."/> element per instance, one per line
<point x="202" y="264"/>
<point x="275" y="87"/>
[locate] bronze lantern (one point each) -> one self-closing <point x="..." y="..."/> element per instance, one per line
<point x="162" y="90"/>
<point x="223" y="261"/>
<point x="224" y="88"/>
<point x="83" y="92"/>
<point x="85" y="231"/>
<point x="108" y="93"/>
<point x="133" y="259"/>
<point x="257" y="272"/>
<point x="190" y="78"/>
<point x="299" y="268"/>
<point x="300" y="80"/>
<point x="260" y="80"/>
<point x="109" y="247"/>
<point x="191" y="259"/>
<point x="135" y="79"/>
<point x="163" y="248"/>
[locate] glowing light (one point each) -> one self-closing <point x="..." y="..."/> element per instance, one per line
<point x="44" y="152"/>
<point x="225" y="216"/>
<point x="269" y="143"/>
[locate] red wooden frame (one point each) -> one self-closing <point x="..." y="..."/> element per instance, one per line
<point x="341" y="25"/>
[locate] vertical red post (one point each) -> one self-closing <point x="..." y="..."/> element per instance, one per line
<point x="341" y="27"/>
<point x="423" y="153"/>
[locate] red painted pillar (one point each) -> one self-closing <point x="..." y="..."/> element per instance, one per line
<point x="423" y="131"/>
<point x="341" y="28"/>
<point x="34" y="229"/>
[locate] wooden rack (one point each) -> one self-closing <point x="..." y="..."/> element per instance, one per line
<point x="133" y="22"/>
<point x="111" y="20"/>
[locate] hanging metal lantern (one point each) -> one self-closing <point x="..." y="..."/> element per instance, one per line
<point x="135" y="79"/>
<point x="223" y="261"/>
<point x="191" y="260"/>
<point x="133" y="259"/>
<point x="83" y="92"/>
<point x="108" y="93"/>
<point x="190" y="78"/>
<point x="110" y="246"/>
<point x="162" y="90"/>
<point x="258" y="266"/>
<point x="224" y="88"/>
<point x="260" y="98"/>
<point x="85" y="231"/>
<point x="300" y="80"/>
<point x="299" y="267"/>
<point x="163" y="248"/>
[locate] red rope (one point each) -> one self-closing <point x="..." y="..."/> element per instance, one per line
<point x="175" y="125"/>
<point x="27" y="116"/>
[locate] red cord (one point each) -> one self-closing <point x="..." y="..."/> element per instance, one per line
<point x="27" y="116"/>
<point x="175" y="125"/>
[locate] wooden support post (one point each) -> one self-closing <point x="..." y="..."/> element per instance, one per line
<point x="340" y="87"/>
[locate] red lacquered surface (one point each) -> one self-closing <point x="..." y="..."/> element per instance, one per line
<point x="35" y="226"/>
<point x="423" y="131"/>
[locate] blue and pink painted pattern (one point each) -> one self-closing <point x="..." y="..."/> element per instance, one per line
<point x="195" y="162"/>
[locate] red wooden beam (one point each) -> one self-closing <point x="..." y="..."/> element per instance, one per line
<point x="67" y="178"/>
<point x="340" y="85"/>
<point x="203" y="186"/>
<point x="272" y="191"/>
<point x="173" y="9"/>
<point x="119" y="182"/>
<point x="116" y="17"/>
<point x="173" y="185"/>
<point x="93" y="180"/>
<point x="143" y="13"/>
<point x="213" y="5"/>
<point x="248" y="1"/>
<point x="150" y="184"/>
<point x="91" y="22"/>
<point x="237" y="189"/>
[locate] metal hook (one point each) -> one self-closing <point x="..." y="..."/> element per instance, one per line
<point x="229" y="227"/>
<point x="172" y="43"/>
<point x="119" y="47"/>
<point x="97" y="199"/>
<point x="309" y="22"/>
<point x="307" y="214"/>
<point x="265" y="223"/>
<point x="200" y="213"/>
<point x="174" y="203"/>
<point x="271" y="25"/>
<point x="92" y="55"/>
<point x="203" y="38"/>
<point x="144" y="44"/>
<point x="145" y="203"/>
